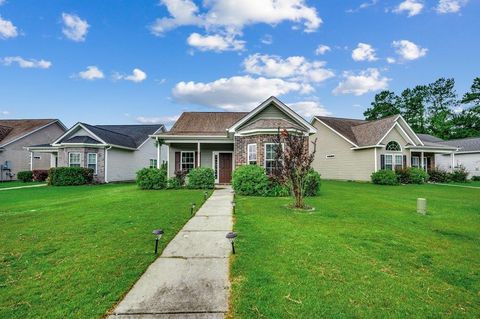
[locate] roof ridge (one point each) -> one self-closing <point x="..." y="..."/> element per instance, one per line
<point x="29" y="119"/>
<point x="377" y="120"/>
<point x="104" y="129"/>
<point x="160" y="124"/>
<point x="216" y="112"/>
<point x="339" y="118"/>
<point x="461" y="139"/>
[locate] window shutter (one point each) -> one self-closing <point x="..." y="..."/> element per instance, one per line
<point x="404" y="161"/>
<point x="196" y="160"/>
<point x="382" y="161"/>
<point x="177" y="161"/>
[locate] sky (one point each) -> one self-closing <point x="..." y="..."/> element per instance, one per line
<point x="128" y="62"/>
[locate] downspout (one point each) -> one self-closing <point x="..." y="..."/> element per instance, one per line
<point x="106" y="163"/>
<point x="158" y="153"/>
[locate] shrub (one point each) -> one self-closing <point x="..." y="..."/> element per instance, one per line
<point x="250" y="180"/>
<point x="68" y="176"/>
<point x="384" y="177"/>
<point x="459" y="174"/>
<point x="475" y="178"/>
<point x="403" y="175"/>
<point x="439" y="175"/>
<point x="25" y="176"/>
<point x="40" y="175"/>
<point x="312" y="184"/>
<point x="276" y="189"/>
<point x="417" y="176"/>
<point x="173" y="183"/>
<point x="180" y="176"/>
<point x="201" y="178"/>
<point x="152" y="178"/>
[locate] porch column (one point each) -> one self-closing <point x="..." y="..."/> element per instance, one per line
<point x="422" y="160"/>
<point x="199" y="156"/>
<point x="168" y="161"/>
<point x="31" y="161"/>
<point x="158" y="154"/>
<point x="452" y="156"/>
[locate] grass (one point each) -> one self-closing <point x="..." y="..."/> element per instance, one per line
<point x="17" y="184"/>
<point x="363" y="253"/>
<point x="469" y="183"/>
<point x="73" y="252"/>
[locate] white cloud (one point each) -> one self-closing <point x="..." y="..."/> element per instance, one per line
<point x="4" y="112"/>
<point x="408" y="50"/>
<point x="267" y="39"/>
<point x="295" y="68"/>
<point x="364" y="52"/>
<point x="238" y="93"/>
<point x="216" y="42"/>
<point x="231" y="16"/>
<point x="322" y="49"/>
<point x="363" y="5"/>
<point x="91" y="73"/>
<point x="26" y="64"/>
<point x="450" y="6"/>
<point x="136" y="76"/>
<point x="366" y="81"/>
<point x="74" y="27"/>
<point x="391" y="60"/>
<point x="413" y="7"/>
<point x="309" y="109"/>
<point x="157" y="120"/>
<point x="7" y="29"/>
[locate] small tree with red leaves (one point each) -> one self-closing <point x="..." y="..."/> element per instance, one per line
<point x="293" y="162"/>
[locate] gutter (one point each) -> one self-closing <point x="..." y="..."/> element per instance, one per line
<point x="106" y="163"/>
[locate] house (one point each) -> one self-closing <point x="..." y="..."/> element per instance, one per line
<point x="15" y="135"/>
<point x="352" y="149"/>
<point x="226" y="140"/>
<point x="114" y="152"/>
<point x="467" y="155"/>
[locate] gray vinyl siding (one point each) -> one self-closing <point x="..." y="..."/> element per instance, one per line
<point x="270" y="112"/>
<point x="20" y="157"/>
<point x="347" y="164"/>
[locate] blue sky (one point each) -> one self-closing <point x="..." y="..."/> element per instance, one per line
<point x="114" y="61"/>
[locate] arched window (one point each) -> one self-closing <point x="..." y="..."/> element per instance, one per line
<point x="393" y="146"/>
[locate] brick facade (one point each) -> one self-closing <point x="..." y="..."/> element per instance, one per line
<point x="240" y="147"/>
<point x="63" y="159"/>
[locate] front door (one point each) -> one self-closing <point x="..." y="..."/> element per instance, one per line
<point x="225" y="168"/>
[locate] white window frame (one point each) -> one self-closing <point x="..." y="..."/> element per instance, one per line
<point x="417" y="165"/>
<point x="95" y="171"/>
<point x="155" y="162"/>
<point x="400" y="146"/>
<point x="395" y="161"/>
<point x="249" y="152"/>
<point x="70" y="159"/>
<point x="391" y="163"/>
<point x="181" y="159"/>
<point x="265" y="154"/>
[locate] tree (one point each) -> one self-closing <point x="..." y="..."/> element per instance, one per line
<point x="467" y="122"/>
<point x="473" y="97"/>
<point x="386" y="103"/>
<point x="442" y="100"/>
<point x="412" y="107"/>
<point x="293" y="162"/>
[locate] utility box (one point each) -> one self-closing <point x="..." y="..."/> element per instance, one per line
<point x="421" y="206"/>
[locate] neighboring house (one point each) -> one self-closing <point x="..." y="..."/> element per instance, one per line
<point x="114" y="152"/>
<point x="226" y="140"/>
<point x="351" y="149"/>
<point x="467" y="155"/>
<point x="15" y="135"/>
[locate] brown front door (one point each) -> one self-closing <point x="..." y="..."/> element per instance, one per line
<point x="225" y="168"/>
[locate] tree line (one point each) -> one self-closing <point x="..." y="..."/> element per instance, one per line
<point x="433" y="109"/>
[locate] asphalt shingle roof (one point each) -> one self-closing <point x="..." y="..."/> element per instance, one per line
<point x="471" y="144"/>
<point x="205" y="123"/>
<point x="12" y="129"/>
<point x="272" y="123"/>
<point x="81" y="139"/>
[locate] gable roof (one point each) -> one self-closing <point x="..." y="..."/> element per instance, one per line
<point x="429" y="138"/>
<point x="284" y="108"/>
<point x="128" y="136"/>
<point x="205" y="123"/>
<point x="272" y="124"/>
<point x="362" y="133"/>
<point x="471" y="144"/>
<point x="12" y="130"/>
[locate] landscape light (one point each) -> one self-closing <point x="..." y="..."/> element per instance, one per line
<point x="192" y="209"/>
<point x="233" y="205"/>
<point x="158" y="233"/>
<point x="231" y="237"/>
<point x="205" y="195"/>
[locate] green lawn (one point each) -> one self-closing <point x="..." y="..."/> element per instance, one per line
<point x="17" y="184"/>
<point x="363" y="253"/>
<point x="73" y="252"/>
<point x="469" y="183"/>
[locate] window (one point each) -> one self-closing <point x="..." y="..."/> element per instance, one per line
<point x="74" y="159"/>
<point x="393" y="146"/>
<point x="187" y="161"/>
<point x="153" y="163"/>
<point x="92" y="162"/>
<point x="252" y="154"/>
<point x="37" y="157"/>
<point x="270" y="157"/>
<point x="388" y="161"/>
<point x="398" y="161"/>
<point x="330" y="156"/>
<point x="415" y="161"/>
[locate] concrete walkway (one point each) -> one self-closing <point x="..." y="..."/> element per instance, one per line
<point x="190" y="279"/>
<point x="20" y="187"/>
<point x="453" y="185"/>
